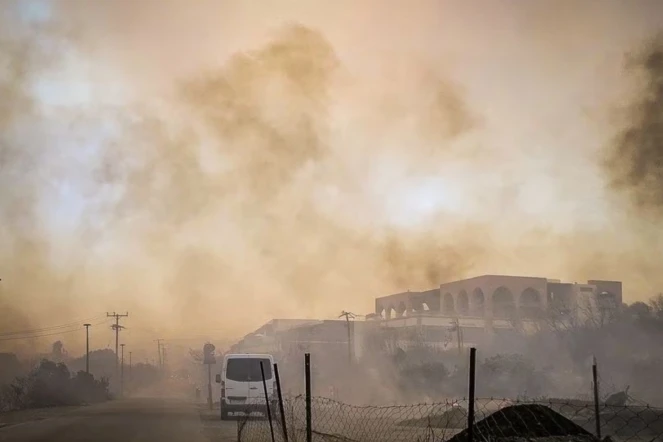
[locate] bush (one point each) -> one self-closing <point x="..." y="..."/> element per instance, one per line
<point x="12" y="396"/>
<point x="423" y="380"/>
<point x="51" y="385"/>
<point x="507" y="375"/>
<point x="10" y="368"/>
<point x="88" y="389"/>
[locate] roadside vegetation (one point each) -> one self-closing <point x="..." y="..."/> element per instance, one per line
<point x="51" y="384"/>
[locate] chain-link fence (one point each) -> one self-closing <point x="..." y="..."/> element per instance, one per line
<point x="495" y="419"/>
<point x="308" y="418"/>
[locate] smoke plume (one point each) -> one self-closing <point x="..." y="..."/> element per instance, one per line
<point x="211" y="168"/>
<point x="251" y="166"/>
<point x="635" y="162"/>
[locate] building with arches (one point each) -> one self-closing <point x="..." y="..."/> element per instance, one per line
<point x="457" y="314"/>
<point x="500" y="302"/>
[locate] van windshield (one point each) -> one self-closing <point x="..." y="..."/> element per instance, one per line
<point x="248" y="369"/>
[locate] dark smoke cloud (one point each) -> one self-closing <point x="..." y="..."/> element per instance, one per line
<point x="635" y="161"/>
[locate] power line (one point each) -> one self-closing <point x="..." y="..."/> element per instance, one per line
<point x="48" y="329"/>
<point x="43" y="335"/>
<point x="71" y="329"/>
<point x="37" y="336"/>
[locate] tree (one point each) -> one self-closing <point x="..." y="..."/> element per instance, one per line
<point x="196" y="355"/>
<point x="48" y="385"/>
<point x="58" y="353"/>
<point x="102" y="363"/>
<point x="10" y="367"/>
<point x="656" y="304"/>
<point x="638" y="311"/>
<point x="87" y="389"/>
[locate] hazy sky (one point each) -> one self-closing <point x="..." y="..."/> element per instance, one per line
<point x="209" y="165"/>
<point x="541" y="76"/>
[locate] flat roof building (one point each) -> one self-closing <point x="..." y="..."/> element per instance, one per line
<point x="501" y="297"/>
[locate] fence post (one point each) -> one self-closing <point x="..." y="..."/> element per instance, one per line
<point x="470" y="408"/>
<point x="281" y="407"/>
<point x="597" y="412"/>
<point x="210" y="400"/>
<point x="269" y="411"/>
<point x="309" y="424"/>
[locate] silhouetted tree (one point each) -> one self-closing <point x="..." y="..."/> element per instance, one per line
<point x="10" y="368"/>
<point x="638" y="311"/>
<point x="656" y="304"/>
<point x="58" y="352"/>
<point x="51" y="384"/>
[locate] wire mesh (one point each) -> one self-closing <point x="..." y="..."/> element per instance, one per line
<point x="496" y="419"/>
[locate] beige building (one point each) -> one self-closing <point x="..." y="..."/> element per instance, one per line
<point x="456" y="314"/>
<point x="494" y="302"/>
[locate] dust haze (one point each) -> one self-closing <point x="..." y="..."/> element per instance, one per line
<point x="209" y="168"/>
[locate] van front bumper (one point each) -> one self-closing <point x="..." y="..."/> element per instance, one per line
<point x="246" y="409"/>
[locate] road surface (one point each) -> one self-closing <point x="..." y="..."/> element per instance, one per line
<point x="129" y="420"/>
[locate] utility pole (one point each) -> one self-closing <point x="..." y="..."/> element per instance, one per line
<point x="158" y="341"/>
<point x="209" y="359"/>
<point x="87" y="347"/>
<point x="348" y="316"/>
<point x="459" y="335"/>
<point x="122" y="372"/>
<point x="130" y="373"/>
<point x="117" y="327"/>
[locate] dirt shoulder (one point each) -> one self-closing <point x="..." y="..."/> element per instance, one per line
<point x="36" y="414"/>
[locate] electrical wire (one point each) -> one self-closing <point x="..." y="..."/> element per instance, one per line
<point x="49" y="329"/>
<point x="79" y="327"/>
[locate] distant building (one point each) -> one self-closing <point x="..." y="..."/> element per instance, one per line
<point x="494" y="302"/>
<point x="331" y="343"/>
<point x="266" y="339"/>
<point x="294" y="337"/>
<point x="455" y="315"/>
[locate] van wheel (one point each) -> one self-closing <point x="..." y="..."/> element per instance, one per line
<point x="224" y="415"/>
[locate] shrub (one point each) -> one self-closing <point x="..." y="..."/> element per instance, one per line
<point x="88" y="389"/>
<point x="427" y="379"/>
<point x="508" y="375"/>
<point x="51" y="385"/>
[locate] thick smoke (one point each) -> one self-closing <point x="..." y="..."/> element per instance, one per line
<point x="39" y="289"/>
<point x="228" y="172"/>
<point x="635" y="162"/>
<point x="250" y="167"/>
<point x="23" y="248"/>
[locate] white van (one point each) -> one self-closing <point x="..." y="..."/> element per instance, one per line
<point x="242" y="390"/>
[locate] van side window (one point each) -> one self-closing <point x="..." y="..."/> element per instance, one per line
<point x="248" y="369"/>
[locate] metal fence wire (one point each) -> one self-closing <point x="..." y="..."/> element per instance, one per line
<point x="495" y="419"/>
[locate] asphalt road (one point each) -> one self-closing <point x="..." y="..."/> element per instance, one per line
<point x="129" y="420"/>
